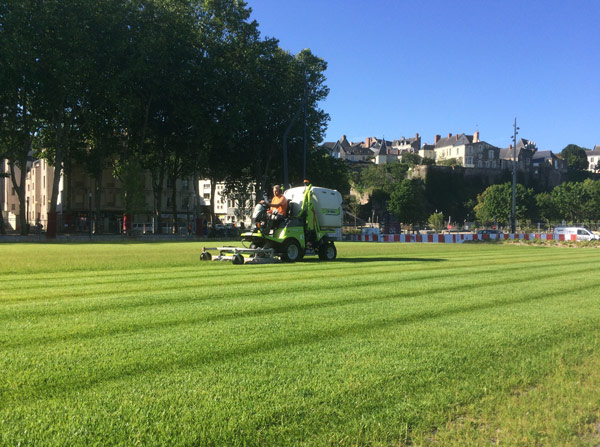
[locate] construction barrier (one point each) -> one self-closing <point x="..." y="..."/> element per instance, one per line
<point x="455" y="238"/>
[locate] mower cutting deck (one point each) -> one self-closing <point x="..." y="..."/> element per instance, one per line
<point x="236" y="255"/>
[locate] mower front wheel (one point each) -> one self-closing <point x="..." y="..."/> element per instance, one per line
<point x="291" y="251"/>
<point x="328" y="252"/>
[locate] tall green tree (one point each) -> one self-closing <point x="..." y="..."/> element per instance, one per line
<point x="577" y="162"/>
<point x="326" y="171"/>
<point x="546" y="207"/>
<point x="591" y="190"/>
<point x="495" y="203"/>
<point x="407" y="201"/>
<point x="21" y="88"/>
<point x="64" y="57"/>
<point x="570" y="200"/>
<point x="102" y="120"/>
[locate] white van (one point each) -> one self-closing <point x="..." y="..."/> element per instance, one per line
<point x="581" y="233"/>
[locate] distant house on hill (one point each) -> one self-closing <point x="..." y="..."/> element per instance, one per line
<point x="549" y="159"/>
<point x="344" y="150"/>
<point x="593" y="157"/>
<point x="336" y="148"/>
<point x="525" y="153"/>
<point x="468" y="150"/>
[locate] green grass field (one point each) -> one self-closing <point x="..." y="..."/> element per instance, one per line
<point x="390" y="345"/>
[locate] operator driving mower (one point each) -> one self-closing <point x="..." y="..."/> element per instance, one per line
<point x="312" y="214"/>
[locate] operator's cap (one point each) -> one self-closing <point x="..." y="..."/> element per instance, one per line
<point x="306" y="182"/>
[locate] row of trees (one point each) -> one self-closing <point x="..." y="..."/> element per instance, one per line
<point x="571" y="201"/>
<point x="175" y="87"/>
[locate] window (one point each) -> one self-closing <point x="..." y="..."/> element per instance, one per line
<point x="207" y="195"/>
<point x="469" y="160"/>
<point x="479" y="164"/>
<point x="470" y="150"/>
<point x="14" y="192"/>
<point x="185" y="183"/>
<point x="490" y="154"/>
<point x="12" y="206"/>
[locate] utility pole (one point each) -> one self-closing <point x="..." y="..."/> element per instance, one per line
<point x="513" y="213"/>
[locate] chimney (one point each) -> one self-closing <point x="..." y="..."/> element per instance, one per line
<point x="456" y="137"/>
<point x="436" y="139"/>
<point x="449" y="135"/>
<point x="417" y="135"/>
<point x="476" y="137"/>
<point x="368" y="141"/>
<point x="510" y="146"/>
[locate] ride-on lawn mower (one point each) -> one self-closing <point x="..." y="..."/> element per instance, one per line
<point x="312" y="214"/>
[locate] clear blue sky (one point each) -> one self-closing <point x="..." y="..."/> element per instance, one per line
<point x="398" y="67"/>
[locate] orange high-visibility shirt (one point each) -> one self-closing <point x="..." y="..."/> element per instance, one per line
<point x="280" y="204"/>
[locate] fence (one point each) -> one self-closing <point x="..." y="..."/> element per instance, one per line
<point x="456" y="238"/>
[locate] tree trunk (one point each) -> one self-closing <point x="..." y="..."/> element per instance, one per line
<point x="98" y="224"/>
<point x="52" y="214"/>
<point x="20" y="187"/>
<point x="2" y="227"/>
<point x="174" y="204"/>
<point x="157" y="188"/>
<point x="213" y="189"/>
<point x="197" y="214"/>
<point x="62" y="137"/>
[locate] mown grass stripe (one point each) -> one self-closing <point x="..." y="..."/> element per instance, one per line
<point x="282" y="286"/>
<point x="309" y="301"/>
<point x="68" y="385"/>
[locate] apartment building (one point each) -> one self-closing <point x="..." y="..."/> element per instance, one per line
<point x="79" y="194"/>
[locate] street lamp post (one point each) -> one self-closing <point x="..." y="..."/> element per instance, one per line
<point x="513" y="213"/>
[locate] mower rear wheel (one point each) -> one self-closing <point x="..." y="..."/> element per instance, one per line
<point x="238" y="259"/>
<point x="205" y="256"/>
<point x="291" y="251"/>
<point x="327" y="252"/>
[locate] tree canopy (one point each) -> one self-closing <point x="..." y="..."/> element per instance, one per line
<point x="495" y="203"/>
<point x="577" y="162"/>
<point x="180" y="86"/>
<point x="407" y="201"/>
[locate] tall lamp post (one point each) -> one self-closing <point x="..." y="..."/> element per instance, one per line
<point x="513" y="212"/>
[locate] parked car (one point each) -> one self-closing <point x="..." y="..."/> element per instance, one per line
<point x="490" y="232"/>
<point x="582" y="233"/>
